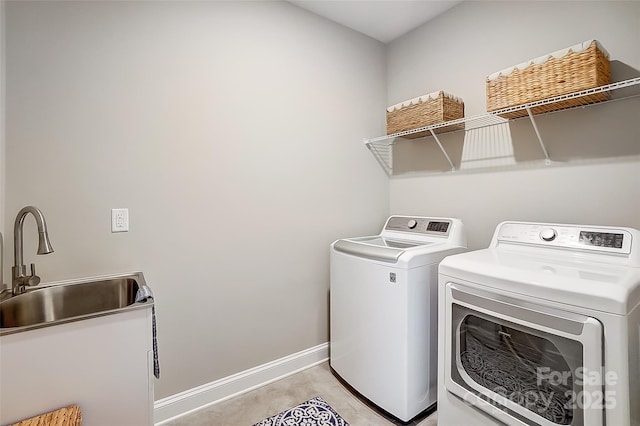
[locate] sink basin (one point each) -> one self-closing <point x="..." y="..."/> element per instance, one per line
<point x="66" y="301"/>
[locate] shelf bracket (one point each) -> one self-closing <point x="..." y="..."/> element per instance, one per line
<point x="547" y="160"/>
<point x="384" y="155"/>
<point x="435" y="137"/>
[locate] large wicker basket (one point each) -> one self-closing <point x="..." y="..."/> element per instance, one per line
<point x="67" y="416"/>
<point x="579" y="67"/>
<point x="427" y="110"/>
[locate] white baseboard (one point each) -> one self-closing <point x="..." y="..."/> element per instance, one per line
<point x="183" y="403"/>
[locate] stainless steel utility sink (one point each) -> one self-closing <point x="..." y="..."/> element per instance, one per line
<point x="65" y="301"/>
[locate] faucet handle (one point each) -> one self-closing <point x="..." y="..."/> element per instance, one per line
<point x="33" y="279"/>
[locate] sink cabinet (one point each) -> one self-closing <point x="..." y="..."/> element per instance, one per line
<point x="103" y="364"/>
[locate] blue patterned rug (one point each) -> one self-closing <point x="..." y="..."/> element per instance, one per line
<point x="314" y="412"/>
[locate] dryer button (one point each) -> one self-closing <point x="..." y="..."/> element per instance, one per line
<point x="548" y="234"/>
<point x="412" y="223"/>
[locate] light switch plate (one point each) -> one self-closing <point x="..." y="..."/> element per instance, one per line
<point x="119" y="220"/>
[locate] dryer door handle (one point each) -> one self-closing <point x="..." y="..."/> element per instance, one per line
<point x="523" y="313"/>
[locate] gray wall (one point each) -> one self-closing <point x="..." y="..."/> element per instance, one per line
<point x="595" y="174"/>
<point x="2" y="116"/>
<point x="233" y="133"/>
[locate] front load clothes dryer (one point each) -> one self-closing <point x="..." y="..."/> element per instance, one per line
<point x="542" y="328"/>
<point x="383" y="311"/>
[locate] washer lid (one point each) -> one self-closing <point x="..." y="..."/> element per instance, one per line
<point x="377" y="247"/>
<point x="408" y="241"/>
<point x="391" y="242"/>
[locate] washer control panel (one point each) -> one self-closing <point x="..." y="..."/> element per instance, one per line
<point x="419" y="225"/>
<point x="607" y="239"/>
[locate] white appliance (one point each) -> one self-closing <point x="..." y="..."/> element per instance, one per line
<point x="542" y="328"/>
<point x="383" y="305"/>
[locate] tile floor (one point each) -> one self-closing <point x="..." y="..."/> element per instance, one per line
<point x="251" y="407"/>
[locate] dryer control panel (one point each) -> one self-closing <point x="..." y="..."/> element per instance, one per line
<point x="419" y="225"/>
<point x="572" y="237"/>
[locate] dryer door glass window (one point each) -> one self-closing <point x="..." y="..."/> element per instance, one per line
<point x="528" y="367"/>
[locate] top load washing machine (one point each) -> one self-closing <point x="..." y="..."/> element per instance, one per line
<point x="383" y="311"/>
<point x="542" y="328"/>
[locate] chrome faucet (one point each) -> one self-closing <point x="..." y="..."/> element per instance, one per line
<point x="20" y="279"/>
<point x="5" y="292"/>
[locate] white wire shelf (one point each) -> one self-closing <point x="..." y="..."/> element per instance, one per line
<point x="382" y="147"/>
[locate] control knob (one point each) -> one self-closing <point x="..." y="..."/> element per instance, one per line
<point x="548" y="234"/>
<point x="412" y="224"/>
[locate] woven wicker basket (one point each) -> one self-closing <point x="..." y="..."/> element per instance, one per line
<point x="585" y="66"/>
<point x="424" y="111"/>
<point x="67" y="416"/>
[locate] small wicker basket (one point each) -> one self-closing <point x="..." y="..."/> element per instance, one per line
<point x="579" y="67"/>
<point x="427" y="110"/>
<point x="67" y="416"/>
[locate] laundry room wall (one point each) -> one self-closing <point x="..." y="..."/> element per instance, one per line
<point x="595" y="173"/>
<point x="232" y="131"/>
<point x="2" y="118"/>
